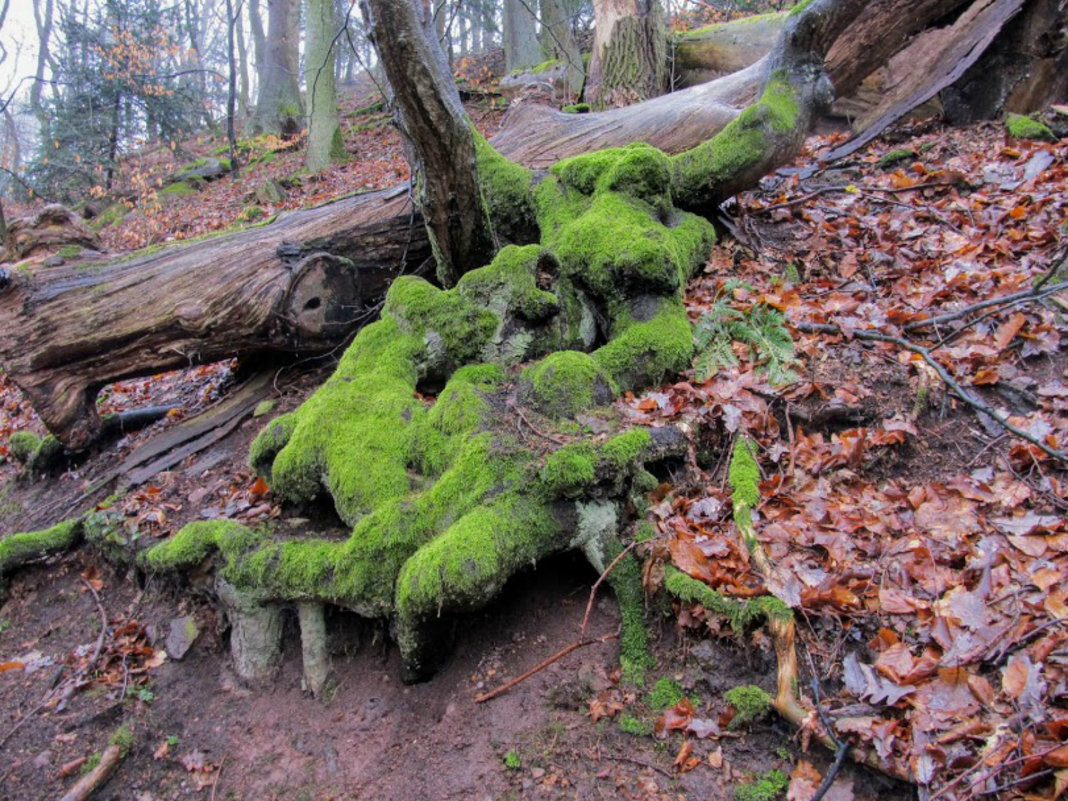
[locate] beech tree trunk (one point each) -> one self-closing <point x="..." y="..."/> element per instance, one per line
<point x="628" y="63"/>
<point x="279" y="107"/>
<point x="521" y="48"/>
<point x="324" y="131"/>
<point x="439" y="135"/>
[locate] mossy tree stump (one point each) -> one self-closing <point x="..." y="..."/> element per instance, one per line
<point x="449" y="496"/>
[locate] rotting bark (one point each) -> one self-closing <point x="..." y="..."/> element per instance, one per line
<point x="298" y="285"/>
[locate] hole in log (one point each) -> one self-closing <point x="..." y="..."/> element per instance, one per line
<point x="313" y="303"/>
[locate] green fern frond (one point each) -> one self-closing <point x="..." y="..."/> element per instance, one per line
<point x="762" y="328"/>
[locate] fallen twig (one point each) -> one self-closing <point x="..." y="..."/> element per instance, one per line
<point x="843" y="746"/>
<point x="72" y="682"/>
<point x="797" y="201"/>
<point x="943" y="373"/>
<point x="1035" y="293"/>
<point x="634" y="761"/>
<point x="532" y="427"/>
<point x="94" y="779"/>
<point x="541" y="666"/>
<point x="596" y="584"/>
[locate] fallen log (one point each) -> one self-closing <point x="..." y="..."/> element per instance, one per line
<point x="296" y="285"/>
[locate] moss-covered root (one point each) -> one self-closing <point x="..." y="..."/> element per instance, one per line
<point x="19" y="549"/>
<point x="255" y="632"/>
<point x="462" y="570"/>
<point x="1020" y="126"/>
<point x="313" y="646"/>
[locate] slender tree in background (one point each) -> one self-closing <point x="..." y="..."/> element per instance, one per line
<point x="279" y="107"/>
<point x="521" y="47"/>
<point x="628" y="63"/>
<point x="558" y="40"/>
<point x="231" y="99"/>
<point x="324" y="132"/>
<point x="42" y="15"/>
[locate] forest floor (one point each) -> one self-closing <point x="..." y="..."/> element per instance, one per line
<point x="922" y="547"/>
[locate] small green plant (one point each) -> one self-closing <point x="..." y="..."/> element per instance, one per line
<point x="90" y="763"/>
<point x="146" y="695"/>
<point x="666" y="692"/>
<point x="172" y="740"/>
<point x="629" y="724"/>
<point x="762" y="328"/>
<point x="512" y="760"/>
<point x="123" y="739"/>
<point x="764" y="787"/>
<point x="750" y="703"/>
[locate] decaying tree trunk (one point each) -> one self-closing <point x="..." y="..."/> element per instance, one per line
<point x="628" y="61"/>
<point x="297" y="285"/>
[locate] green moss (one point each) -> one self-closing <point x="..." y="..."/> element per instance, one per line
<point x="635" y="726"/>
<point x="566" y="383"/>
<point x="799" y="7"/>
<point x="894" y="157"/>
<point x="506" y="187"/>
<point x="109" y="216"/>
<point x="512" y="760"/>
<point x="649" y="352"/>
<point x="122" y="738"/>
<point x="250" y="214"/>
<point x="70" y="251"/>
<point x="626" y="582"/>
<point x="508" y="285"/>
<point x="740" y="146"/>
<point x="196" y="542"/>
<point x="178" y="189"/>
<point x="23" y="445"/>
<point x="570" y="470"/>
<point x="452" y="329"/>
<point x="577" y="108"/>
<point x="765" y="787"/>
<point x="739" y="613"/>
<point x="666" y="692"/>
<point x="750" y="703"/>
<point x="18" y="549"/>
<point x="544" y="66"/>
<point x="1020" y="126"/>
<point x="744" y="473"/>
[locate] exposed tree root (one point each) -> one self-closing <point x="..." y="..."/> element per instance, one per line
<point x="96" y="778"/>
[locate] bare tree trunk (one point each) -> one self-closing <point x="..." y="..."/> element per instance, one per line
<point x="521" y="48"/>
<point x="628" y="63"/>
<point x="279" y="107"/>
<point x="558" y="40"/>
<point x="439" y="134"/>
<point x="242" y="62"/>
<point x="43" y="19"/>
<point x="324" y="131"/>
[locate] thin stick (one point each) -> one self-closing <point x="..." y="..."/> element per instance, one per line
<point x="94" y="779"/>
<point x="533" y="428"/>
<point x="541" y="666"/>
<point x="634" y="761"/>
<point x="1034" y="293"/>
<point x="797" y="201"/>
<point x="596" y="584"/>
<point x="72" y="682"/>
<point x="218" y="778"/>
<point x="843" y="746"/>
<point x="943" y="373"/>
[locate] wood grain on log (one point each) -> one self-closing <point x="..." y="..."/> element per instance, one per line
<point x="296" y="285"/>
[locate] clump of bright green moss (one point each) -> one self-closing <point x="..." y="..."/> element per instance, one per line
<point x="750" y="703"/>
<point x="764" y="787"/>
<point x="23" y="547"/>
<point x="1021" y="126"/>
<point x="740" y="613"/>
<point x="567" y="382"/>
<point x="894" y="157"/>
<point x="635" y="726"/>
<point x="666" y="692"/>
